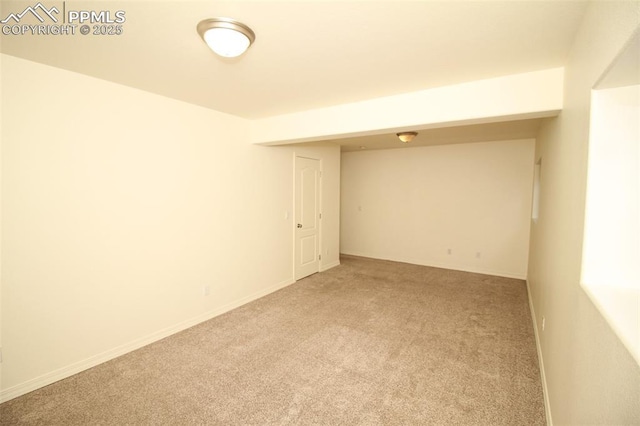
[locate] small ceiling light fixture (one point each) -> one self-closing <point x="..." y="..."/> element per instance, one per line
<point x="225" y="36"/>
<point x="406" y="137"/>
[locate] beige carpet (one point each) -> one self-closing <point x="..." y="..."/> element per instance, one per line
<point x="367" y="343"/>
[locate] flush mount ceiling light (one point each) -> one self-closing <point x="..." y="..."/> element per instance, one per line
<point x="225" y="36"/>
<point x="406" y="137"/>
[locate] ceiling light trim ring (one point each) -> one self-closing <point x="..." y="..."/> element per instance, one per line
<point x="227" y="24"/>
<point x="406" y="137"/>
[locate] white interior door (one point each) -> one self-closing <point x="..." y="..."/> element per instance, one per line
<point x="307" y="217"/>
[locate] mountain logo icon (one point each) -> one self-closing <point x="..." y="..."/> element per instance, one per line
<point x="38" y="11"/>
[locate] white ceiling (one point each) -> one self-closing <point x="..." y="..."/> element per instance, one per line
<point x="310" y="54"/>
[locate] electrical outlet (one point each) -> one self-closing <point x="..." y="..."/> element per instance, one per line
<point x="206" y="290"/>
<point x="448" y="251"/>
<point x="478" y="254"/>
<point x="543" y="323"/>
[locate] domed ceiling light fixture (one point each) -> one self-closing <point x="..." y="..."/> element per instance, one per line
<point x="225" y="36"/>
<point x="406" y="137"/>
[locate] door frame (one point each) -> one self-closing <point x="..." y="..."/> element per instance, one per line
<point x="310" y="156"/>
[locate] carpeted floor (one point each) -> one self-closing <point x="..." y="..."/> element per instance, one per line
<point x="370" y="342"/>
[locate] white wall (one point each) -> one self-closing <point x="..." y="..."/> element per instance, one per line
<point x="414" y="204"/>
<point x="1" y="56"/>
<point x="519" y="96"/>
<point x="590" y="376"/>
<point x="611" y="251"/>
<point x="119" y="206"/>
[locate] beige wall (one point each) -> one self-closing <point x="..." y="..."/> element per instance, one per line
<point x="611" y="254"/>
<point x="1" y="219"/>
<point x="591" y="378"/>
<point x="518" y="96"/>
<point x="119" y="206"/>
<point x="414" y="204"/>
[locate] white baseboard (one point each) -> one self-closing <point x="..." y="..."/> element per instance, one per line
<point x="329" y="266"/>
<point x="433" y="264"/>
<point x="77" y="367"/>
<point x="543" y="378"/>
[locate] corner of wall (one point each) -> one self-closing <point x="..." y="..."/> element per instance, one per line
<point x="543" y="378"/>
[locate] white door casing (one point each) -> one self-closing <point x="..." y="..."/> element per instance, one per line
<point x="307" y="217"/>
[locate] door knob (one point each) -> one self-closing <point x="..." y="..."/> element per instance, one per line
<point x="299" y="225"/>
